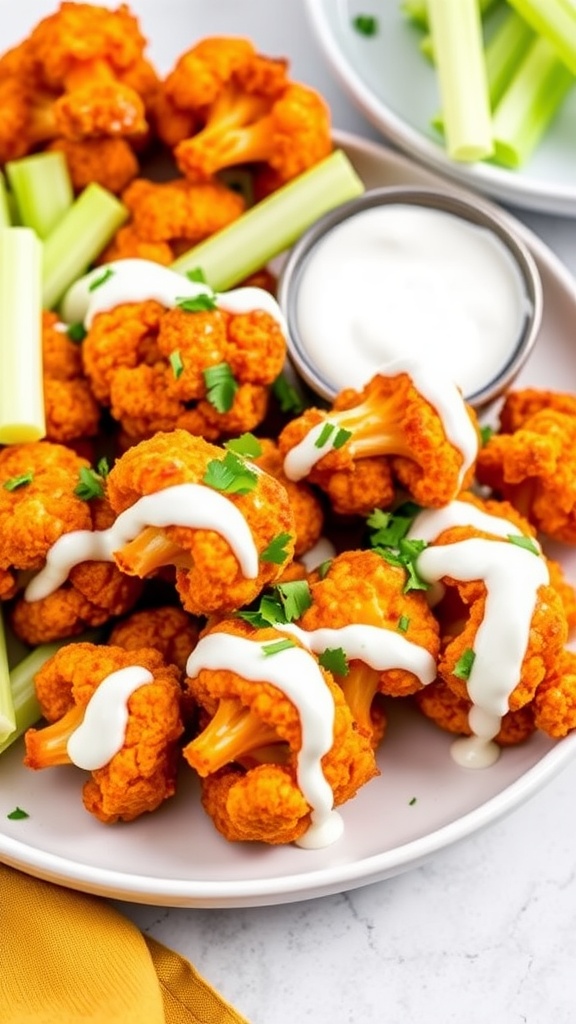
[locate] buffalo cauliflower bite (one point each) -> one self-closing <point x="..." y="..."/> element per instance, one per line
<point x="38" y="505"/>
<point x="225" y="105"/>
<point x="209" y="574"/>
<point x="247" y="752"/>
<point x="554" y="703"/>
<point x="139" y="775"/>
<point x="111" y="163"/>
<point x="451" y="712"/>
<point x="168" y="629"/>
<point x="388" y="430"/>
<point x="71" y="410"/>
<point x="519" y="406"/>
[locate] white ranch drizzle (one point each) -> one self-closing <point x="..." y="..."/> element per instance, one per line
<point x="382" y="649"/>
<point x="102" y="732"/>
<point x="439" y="391"/>
<point x="137" y="280"/>
<point x="431" y="522"/>
<point x="297" y="675"/>
<point x="512" y="576"/>
<point x="189" y="505"/>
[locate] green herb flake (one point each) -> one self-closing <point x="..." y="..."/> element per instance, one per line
<point x="342" y="436"/>
<point x="76" y="332"/>
<point x="246" y="445"/>
<point x="268" y="613"/>
<point x="524" y="542"/>
<point x="89" y="485"/>
<point x="324" y="568"/>
<point x="201" y="303"/>
<point x="412" y="802"/>
<point x="103" y="467"/>
<point x="17" y="814"/>
<point x="334" y="660"/>
<point x="196" y="274"/>
<point x="463" y="666"/>
<point x="403" y="624"/>
<point x="287" y="396"/>
<point x="485" y="434"/>
<point x="15" y="482"/>
<point x="295" y="598"/>
<point x="389" y="528"/>
<point x="175" y="359"/>
<point x="230" y="475"/>
<point x="405" y="556"/>
<point x="276" y="646"/>
<point x="324" y="435"/>
<point x="221" y="386"/>
<point x="365" y="24"/>
<point x="276" y="551"/>
<point x="97" y="282"/>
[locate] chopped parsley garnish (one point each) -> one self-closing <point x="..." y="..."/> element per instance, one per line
<point x="485" y="434"/>
<point x="89" y="485"/>
<point x="334" y="660"/>
<point x="389" y="528"/>
<point x="76" y="332"/>
<point x="18" y="481"/>
<point x="17" y="814"/>
<point x="276" y="646"/>
<point x="412" y="802"/>
<point x="403" y="623"/>
<point x="295" y="598"/>
<point x="365" y="24"/>
<point x="523" y="542"/>
<point x="287" y="396"/>
<point x="324" y="568"/>
<point x="196" y="274"/>
<point x="463" y="666"/>
<point x="246" y="445"/>
<point x="175" y="359"/>
<point x="339" y="438"/>
<point x="230" y="475"/>
<point x="268" y="613"/>
<point x="200" y="303"/>
<point x="221" y="386"/>
<point x="97" y="282"/>
<point x="103" y="466"/>
<point x="276" y="551"/>
<point x="405" y="557"/>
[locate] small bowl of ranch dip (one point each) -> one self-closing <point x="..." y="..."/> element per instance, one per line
<point x="420" y="273"/>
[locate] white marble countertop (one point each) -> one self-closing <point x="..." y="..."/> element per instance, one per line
<point x="485" y="930"/>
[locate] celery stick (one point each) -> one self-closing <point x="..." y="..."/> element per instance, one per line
<point x="42" y="188"/>
<point x="21" y="385"/>
<point x="7" y="709"/>
<point x="556" y="21"/>
<point x="417" y="10"/>
<point x="78" y="239"/>
<point x="458" y="48"/>
<point x="529" y="104"/>
<point x="5" y="215"/>
<point x="274" y="224"/>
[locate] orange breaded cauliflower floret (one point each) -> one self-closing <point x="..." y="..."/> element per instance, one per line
<point x="168" y="629"/>
<point x="172" y="216"/>
<point x="197" y="366"/>
<point x="247" y="754"/>
<point x="110" y="163"/>
<point x="225" y="105"/>
<point x="519" y="406"/>
<point x="71" y="410"/>
<point x="534" y="468"/>
<point x="306" y="506"/>
<point x="141" y="774"/>
<point x="38" y="505"/>
<point x="388" y="430"/>
<point x="451" y="713"/>
<point x="210" y="577"/>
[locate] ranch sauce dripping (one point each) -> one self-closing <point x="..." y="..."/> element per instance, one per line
<point x="101" y="734"/>
<point x="298" y="676"/>
<point x="437" y="389"/>
<point x="413" y="280"/>
<point x="512" y="576"/>
<point x="136" y="280"/>
<point x="189" y="505"/>
<point x="431" y="522"/>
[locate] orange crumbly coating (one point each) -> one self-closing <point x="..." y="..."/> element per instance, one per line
<point x="111" y="163"/>
<point x="519" y="406"/>
<point x="450" y="712"/>
<point x="306" y="505"/>
<point x="169" y="629"/>
<point x="127" y="357"/>
<point x="249" y="782"/>
<point x="394" y="430"/>
<point x="554" y="703"/>
<point x="361" y="587"/>
<point x="142" y="774"/>
<point x="535" y="470"/>
<point x="71" y="410"/>
<point x="208" y="576"/>
<point x="225" y="105"/>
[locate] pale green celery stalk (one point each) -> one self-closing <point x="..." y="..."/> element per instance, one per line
<point x="461" y="68"/>
<point x="7" y="709"/>
<point x="556" y="21"/>
<point x="417" y="10"/>
<point x="503" y="54"/>
<point x="26" y="707"/>
<point x="273" y="224"/>
<point x="42" y="189"/>
<point x="78" y="239"/>
<point x="5" y="215"/>
<point x="22" y="415"/>
<point x="529" y="104"/>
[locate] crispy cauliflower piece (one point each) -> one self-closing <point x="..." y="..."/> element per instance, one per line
<point x="168" y="629"/>
<point x="111" y="162"/>
<point x="393" y="428"/>
<point x="554" y="703"/>
<point x="209" y="577"/>
<point x="71" y="410"/>
<point x="451" y="713"/>
<point x="306" y="506"/>
<point x="141" y="775"/>
<point x="519" y="406"/>
<point x="247" y="753"/>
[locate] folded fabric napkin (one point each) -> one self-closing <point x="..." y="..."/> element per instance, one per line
<point x="69" y="958"/>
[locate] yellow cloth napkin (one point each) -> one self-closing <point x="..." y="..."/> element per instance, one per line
<point x="69" y="958"/>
